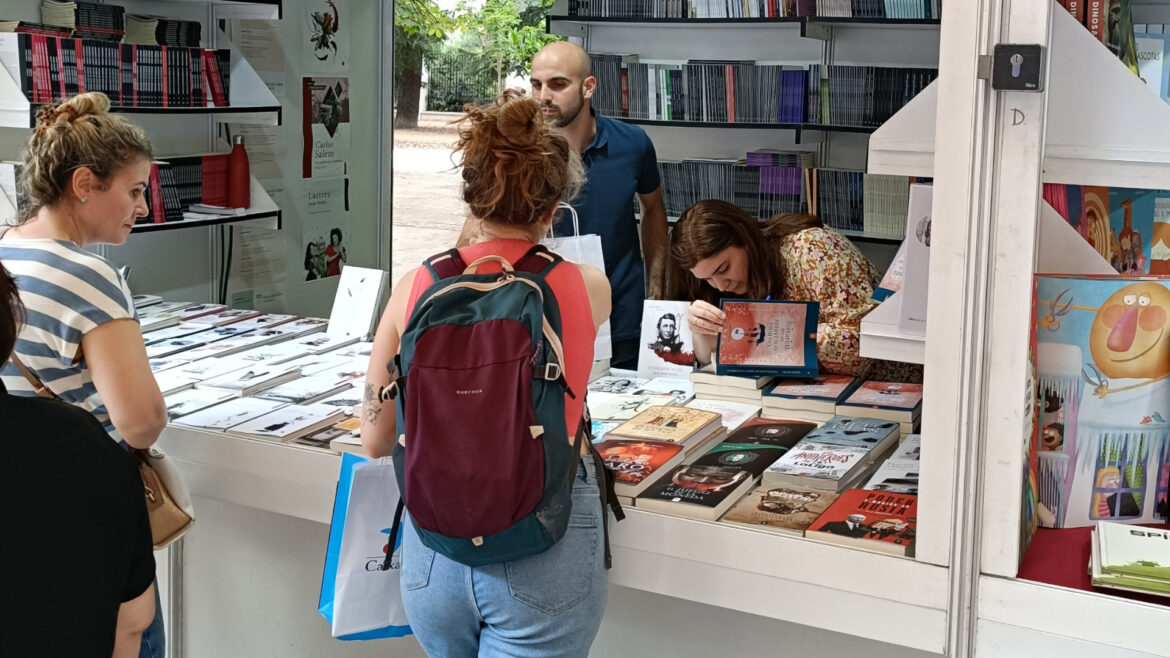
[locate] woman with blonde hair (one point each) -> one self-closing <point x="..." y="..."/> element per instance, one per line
<point x="515" y="172"/>
<point x="85" y="174"/>
<point x="719" y="251"/>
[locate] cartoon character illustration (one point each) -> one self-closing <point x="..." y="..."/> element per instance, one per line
<point x="1108" y="501"/>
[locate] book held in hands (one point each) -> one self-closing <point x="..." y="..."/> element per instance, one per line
<point x="771" y="338"/>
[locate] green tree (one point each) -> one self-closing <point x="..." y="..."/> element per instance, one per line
<point x="505" y="33"/>
<point x="420" y="27"/>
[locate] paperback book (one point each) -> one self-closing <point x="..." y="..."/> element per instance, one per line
<point x="636" y="464"/>
<point x="896" y="476"/>
<point x="768" y="338"/>
<point x="229" y="414"/>
<point x="818" y="466"/>
<point x="250" y="380"/>
<point x="304" y="390"/>
<point x="870" y="520"/>
<point x="1131" y="558"/>
<point x="901" y="403"/>
<point x="666" y="347"/>
<point x="707" y="376"/>
<point x="786" y="510"/>
<point x="734" y="414"/>
<point x="224" y="317"/>
<point x="618" y="406"/>
<point x="681" y="425"/>
<point x="821" y="393"/>
<point x="617" y="384"/>
<point x="289" y="422"/>
<point x="679" y="389"/>
<point x="191" y="400"/>
<point x="349" y="399"/>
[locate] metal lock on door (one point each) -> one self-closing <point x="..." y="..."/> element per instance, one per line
<point x="1016" y="67"/>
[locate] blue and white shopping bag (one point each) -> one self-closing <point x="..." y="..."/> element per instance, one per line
<point x="359" y="588"/>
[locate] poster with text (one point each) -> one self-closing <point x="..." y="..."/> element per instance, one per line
<point x="326" y="206"/>
<point x="325" y="127"/>
<point x="326" y="44"/>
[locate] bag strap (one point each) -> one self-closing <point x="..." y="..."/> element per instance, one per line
<point x="538" y="260"/>
<point x="445" y="265"/>
<point x="386" y="563"/>
<point x="38" y="385"/>
<point x="605" y="482"/>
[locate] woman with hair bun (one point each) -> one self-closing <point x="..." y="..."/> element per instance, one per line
<point x="719" y="251"/>
<point x="85" y="174"/>
<point x="516" y="171"/>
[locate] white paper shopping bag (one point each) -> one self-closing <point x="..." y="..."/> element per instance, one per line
<point x="584" y="249"/>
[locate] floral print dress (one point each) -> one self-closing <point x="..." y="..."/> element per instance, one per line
<point x="821" y="265"/>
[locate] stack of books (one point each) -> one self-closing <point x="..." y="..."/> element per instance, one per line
<point x="730" y="388"/>
<point x="835" y="456"/>
<point x="155" y="31"/>
<point x="1130" y="558"/>
<point x="901" y="403"/>
<point x="898" y="473"/>
<point x="708" y="487"/>
<point x="813" y="399"/>
<point x="734" y="414"/>
<point x="869" y="520"/>
<point x="88" y="20"/>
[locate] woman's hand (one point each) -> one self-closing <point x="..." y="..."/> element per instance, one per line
<point x="704" y="319"/>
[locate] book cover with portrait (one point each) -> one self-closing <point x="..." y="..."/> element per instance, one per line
<point x="763" y="337"/>
<point x="666" y="348"/>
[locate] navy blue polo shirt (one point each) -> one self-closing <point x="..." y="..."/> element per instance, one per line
<point x="619" y="162"/>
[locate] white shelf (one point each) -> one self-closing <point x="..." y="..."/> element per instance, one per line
<point x="1111" y="623"/>
<point x="271" y="10"/>
<point x="252" y="102"/>
<point x="882" y="339"/>
<point x="263" y="213"/>
<point x="1102" y="138"/>
<point x="874" y="596"/>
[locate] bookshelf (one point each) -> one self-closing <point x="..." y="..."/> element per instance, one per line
<point x="251" y="101"/>
<point x="228" y="9"/>
<point x="263" y="213"/>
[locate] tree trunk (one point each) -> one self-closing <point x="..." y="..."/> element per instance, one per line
<point x="409" y="93"/>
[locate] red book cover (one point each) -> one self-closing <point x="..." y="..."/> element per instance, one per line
<point x="213" y="187"/>
<point x="166" y="101"/>
<point x="134" y="72"/>
<point x="625" y="92"/>
<point x="211" y="70"/>
<point x="78" y="49"/>
<point x="1076" y="8"/>
<point x="634" y="461"/>
<point x="763" y="337"/>
<point x="873" y="520"/>
<point x="42" y="91"/>
<point x="157" y="209"/>
<point x="887" y="395"/>
<point x="1095" y="19"/>
<point x="730" y="80"/>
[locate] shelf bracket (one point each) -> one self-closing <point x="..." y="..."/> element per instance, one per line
<point x="813" y="30"/>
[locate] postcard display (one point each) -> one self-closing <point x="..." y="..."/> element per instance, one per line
<point x="1101" y="449"/>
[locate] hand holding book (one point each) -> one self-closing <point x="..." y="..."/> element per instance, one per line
<point x="705" y="322"/>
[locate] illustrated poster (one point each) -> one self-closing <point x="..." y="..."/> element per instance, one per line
<point x="325" y="127"/>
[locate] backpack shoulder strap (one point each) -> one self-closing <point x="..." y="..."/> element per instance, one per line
<point x="539" y="260"/>
<point x="445" y="265"/>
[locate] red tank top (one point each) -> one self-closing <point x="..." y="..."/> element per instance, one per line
<point x="577" y="330"/>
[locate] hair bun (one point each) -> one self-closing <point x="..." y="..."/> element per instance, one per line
<point x="72" y="109"/>
<point x="518" y="120"/>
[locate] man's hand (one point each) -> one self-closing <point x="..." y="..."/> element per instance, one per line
<point x="654" y="242"/>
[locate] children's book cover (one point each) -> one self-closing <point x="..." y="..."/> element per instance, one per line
<point x="874" y="520"/>
<point x="1101" y="436"/>
<point x="666" y="348"/>
<point x="762" y="337"/>
<point x="1129" y="227"/>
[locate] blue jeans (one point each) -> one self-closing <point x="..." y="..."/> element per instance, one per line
<point x="154" y="641"/>
<point x="541" y="606"/>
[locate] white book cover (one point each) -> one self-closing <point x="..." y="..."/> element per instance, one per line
<point x="350" y="372"/>
<point x="618" y="406"/>
<point x="1134" y="550"/>
<point x="229" y="414"/>
<point x="734" y="413"/>
<point x="159" y="365"/>
<point x="214" y="367"/>
<point x="678" y="388"/>
<point x="143" y="301"/>
<point x="312" y="364"/>
<point x="909" y="448"/>
<point x="226" y="316"/>
<point x="169" y="307"/>
<point x="180" y="330"/>
<point x="224" y="332"/>
<point x="173" y="346"/>
<point x="191" y="400"/>
<point x="172" y="381"/>
<point x="914" y="283"/>
<point x="361" y="349"/>
<point x="255" y="377"/>
<point x="321" y="343"/>
<point x="265" y="321"/>
<point x="153" y="322"/>
<point x="666" y="347"/>
<point x="272" y="353"/>
<point x="305" y="326"/>
<point x="617" y="384"/>
<point x="355" y="305"/>
<point x="289" y="421"/>
<point x="348" y="400"/>
<point x="818" y="460"/>
<point x="199" y="310"/>
<point x="304" y="389"/>
<point x="895" y="476"/>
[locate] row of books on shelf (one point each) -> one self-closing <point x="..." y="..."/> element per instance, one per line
<point x="788" y="476"/>
<point x="141" y="30"/>
<point x="188" y="187"/>
<point x="50" y="69"/>
<point x="719" y="91"/>
<point x="755" y="8"/>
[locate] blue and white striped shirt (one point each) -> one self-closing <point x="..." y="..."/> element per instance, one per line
<point x="67" y="292"/>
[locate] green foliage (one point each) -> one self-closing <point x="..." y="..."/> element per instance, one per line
<point x="505" y="34"/>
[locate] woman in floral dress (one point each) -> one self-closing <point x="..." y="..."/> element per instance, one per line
<point x="720" y="251"/>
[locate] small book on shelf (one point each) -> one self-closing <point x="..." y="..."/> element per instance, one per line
<point x="901" y="403"/>
<point x="680" y="425"/>
<point x="1130" y="558"/>
<point x="768" y="338"/>
<point x="785" y="510"/>
<point x="869" y="520"/>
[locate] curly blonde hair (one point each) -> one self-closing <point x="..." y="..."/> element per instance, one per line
<point x="515" y="168"/>
<point x="77" y="132"/>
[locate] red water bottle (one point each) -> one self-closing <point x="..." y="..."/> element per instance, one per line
<point x="239" y="186"/>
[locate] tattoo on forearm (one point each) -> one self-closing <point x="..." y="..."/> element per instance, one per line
<point x="371" y="405"/>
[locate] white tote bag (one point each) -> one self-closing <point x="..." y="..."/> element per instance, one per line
<point x="584" y="249"/>
<point x="366" y="597"/>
